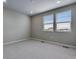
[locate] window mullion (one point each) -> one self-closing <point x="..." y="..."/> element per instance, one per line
<point x="54" y="23"/>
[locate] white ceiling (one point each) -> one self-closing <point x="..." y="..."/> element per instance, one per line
<point x="32" y="7"/>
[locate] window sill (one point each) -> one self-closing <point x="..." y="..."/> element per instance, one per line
<point x="57" y="31"/>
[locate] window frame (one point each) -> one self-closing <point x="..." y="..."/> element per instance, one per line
<point x="64" y="21"/>
<point x="48" y="23"/>
<point x="54" y="20"/>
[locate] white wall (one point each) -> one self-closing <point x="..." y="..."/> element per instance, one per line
<point x="16" y="26"/>
<point x="67" y="38"/>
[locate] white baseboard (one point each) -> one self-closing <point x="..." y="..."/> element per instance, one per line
<point x="14" y="41"/>
<point x="46" y="41"/>
<point x="55" y="43"/>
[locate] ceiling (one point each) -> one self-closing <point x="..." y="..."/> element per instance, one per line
<point x="32" y="7"/>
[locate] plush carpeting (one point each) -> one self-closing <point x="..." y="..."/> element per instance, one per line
<point x="36" y="50"/>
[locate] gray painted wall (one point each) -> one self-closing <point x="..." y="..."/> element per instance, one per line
<point x="16" y="26"/>
<point x="66" y="38"/>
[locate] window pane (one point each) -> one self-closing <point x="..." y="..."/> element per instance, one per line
<point x="48" y="27"/>
<point x="48" y="19"/>
<point x="63" y="21"/>
<point x="63" y="27"/>
<point x="63" y="16"/>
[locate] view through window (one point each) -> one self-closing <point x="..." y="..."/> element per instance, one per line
<point x="48" y="22"/>
<point x="62" y="19"/>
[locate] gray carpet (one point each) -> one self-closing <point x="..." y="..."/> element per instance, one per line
<point x="36" y="50"/>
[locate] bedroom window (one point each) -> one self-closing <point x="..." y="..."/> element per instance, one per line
<point x="48" y="22"/>
<point x="58" y="22"/>
<point x="63" y="21"/>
